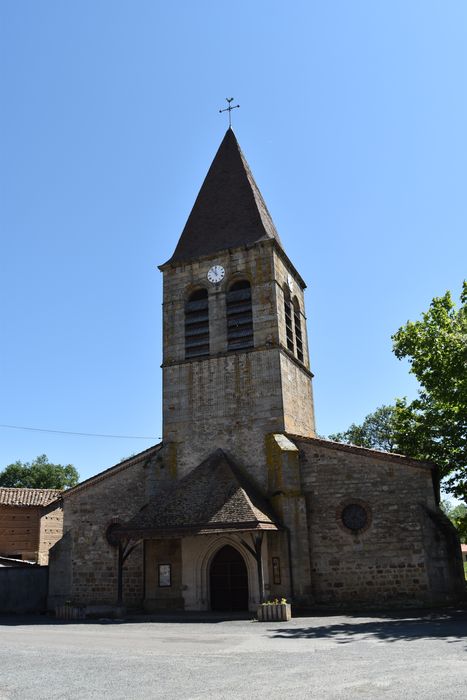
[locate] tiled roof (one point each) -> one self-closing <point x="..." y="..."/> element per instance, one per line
<point x="229" y="210"/>
<point x="214" y="497"/>
<point x="28" y="497"/>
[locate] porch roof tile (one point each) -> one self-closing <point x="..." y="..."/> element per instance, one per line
<point x="214" y="497"/>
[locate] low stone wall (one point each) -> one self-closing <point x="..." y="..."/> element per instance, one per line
<point x="23" y="590"/>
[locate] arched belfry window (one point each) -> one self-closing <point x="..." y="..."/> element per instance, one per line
<point x="197" y="324"/>
<point x="298" y="329"/>
<point x="288" y="320"/>
<point x="239" y="316"/>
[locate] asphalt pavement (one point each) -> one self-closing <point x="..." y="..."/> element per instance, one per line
<point x="403" y="655"/>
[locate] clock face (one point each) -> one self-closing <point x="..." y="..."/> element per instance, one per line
<point x="216" y="274"/>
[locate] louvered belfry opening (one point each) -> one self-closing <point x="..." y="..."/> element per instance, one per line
<point x="197" y="324"/>
<point x="298" y="329"/>
<point x="239" y="316"/>
<point x="288" y="320"/>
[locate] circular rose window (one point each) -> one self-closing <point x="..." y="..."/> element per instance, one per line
<point x="355" y="517"/>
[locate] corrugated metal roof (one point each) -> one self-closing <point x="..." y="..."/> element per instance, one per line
<point x="28" y="497"/>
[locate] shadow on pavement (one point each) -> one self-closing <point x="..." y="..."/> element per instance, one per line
<point x="450" y="626"/>
<point x="130" y="618"/>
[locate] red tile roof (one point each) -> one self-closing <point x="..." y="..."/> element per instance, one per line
<point x="28" y="497"/>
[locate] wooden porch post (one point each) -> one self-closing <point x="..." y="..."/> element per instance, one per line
<point x="120" y="574"/>
<point x="125" y="548"/>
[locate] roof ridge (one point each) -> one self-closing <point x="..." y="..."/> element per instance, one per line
<point x="266" y="217"/>
<point x="213" y="494"/>
<point x="358" y="448"/>
<point x="24" y="496"/>
<point x="110" y="471"/>
<point x="255" y="511"/>
<point x="229" y="210"/>
<point x="27" y="488"/>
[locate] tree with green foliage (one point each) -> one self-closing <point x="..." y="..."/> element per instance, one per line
<point x="377" y="431"/>
<point x="434" y="426"/>
<point x="457" y="514"/>
<point x="39" y="474"/>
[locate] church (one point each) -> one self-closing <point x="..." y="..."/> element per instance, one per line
<point x="241" y="502"/>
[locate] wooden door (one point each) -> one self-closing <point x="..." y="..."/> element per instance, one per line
<point x="229" y="581"/>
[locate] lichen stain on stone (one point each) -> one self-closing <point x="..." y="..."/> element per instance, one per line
<point x="171" y="459"/>
<point x="247" y="379"/>
<point x="237" y="378"/>
<point x="189" y="386"/>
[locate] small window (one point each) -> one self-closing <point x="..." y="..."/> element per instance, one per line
<point x="298" y="329"/>
<point x="197" y="325"/>
<point x="239" y="316"/>
<point x="288" y="320"/>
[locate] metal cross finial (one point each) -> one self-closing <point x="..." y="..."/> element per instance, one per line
<point x="229" y="108"/>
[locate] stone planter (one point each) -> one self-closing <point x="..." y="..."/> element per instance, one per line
<point x="274" y="612"/>
<point x="69" y="612"/>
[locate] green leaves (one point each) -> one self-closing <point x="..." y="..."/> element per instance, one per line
<point x="377" y="431"/>
<point x="434" y="426"/>
<point x="39" y="474"/>
<point x="457" y="514"/>
<point x="436" y="347"/>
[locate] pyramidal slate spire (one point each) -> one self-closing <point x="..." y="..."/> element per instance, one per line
<point x="229" y="210"/>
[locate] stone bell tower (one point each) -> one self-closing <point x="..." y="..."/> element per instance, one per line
<point x="235" y="363"/>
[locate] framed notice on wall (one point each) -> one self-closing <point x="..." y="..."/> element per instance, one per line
<point x="165" y="575"/>
<point x="276" y="570"/>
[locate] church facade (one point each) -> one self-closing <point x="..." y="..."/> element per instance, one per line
<point x="241" y="501"/>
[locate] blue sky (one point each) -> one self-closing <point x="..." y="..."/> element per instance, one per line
<point x="353" y="119"/>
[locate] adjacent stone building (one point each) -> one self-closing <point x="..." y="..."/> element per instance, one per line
<point x="241" y="501"/>
<point x="31" y="521"/>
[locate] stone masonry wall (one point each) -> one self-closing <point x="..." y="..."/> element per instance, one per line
<point x="297" y="392"/>
<point x="289" y="504"/>
<point x="386" y="561"/>
<point x="232" y="399"/>
<point x="87" y="514"/>
<point x="281" y="274"/>
<point x="253" y="264"/>
<point x="297" y="398"/>
<point x="229" y="402"/>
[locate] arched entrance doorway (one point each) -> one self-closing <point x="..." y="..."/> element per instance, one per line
<point x="229" y="580"/>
